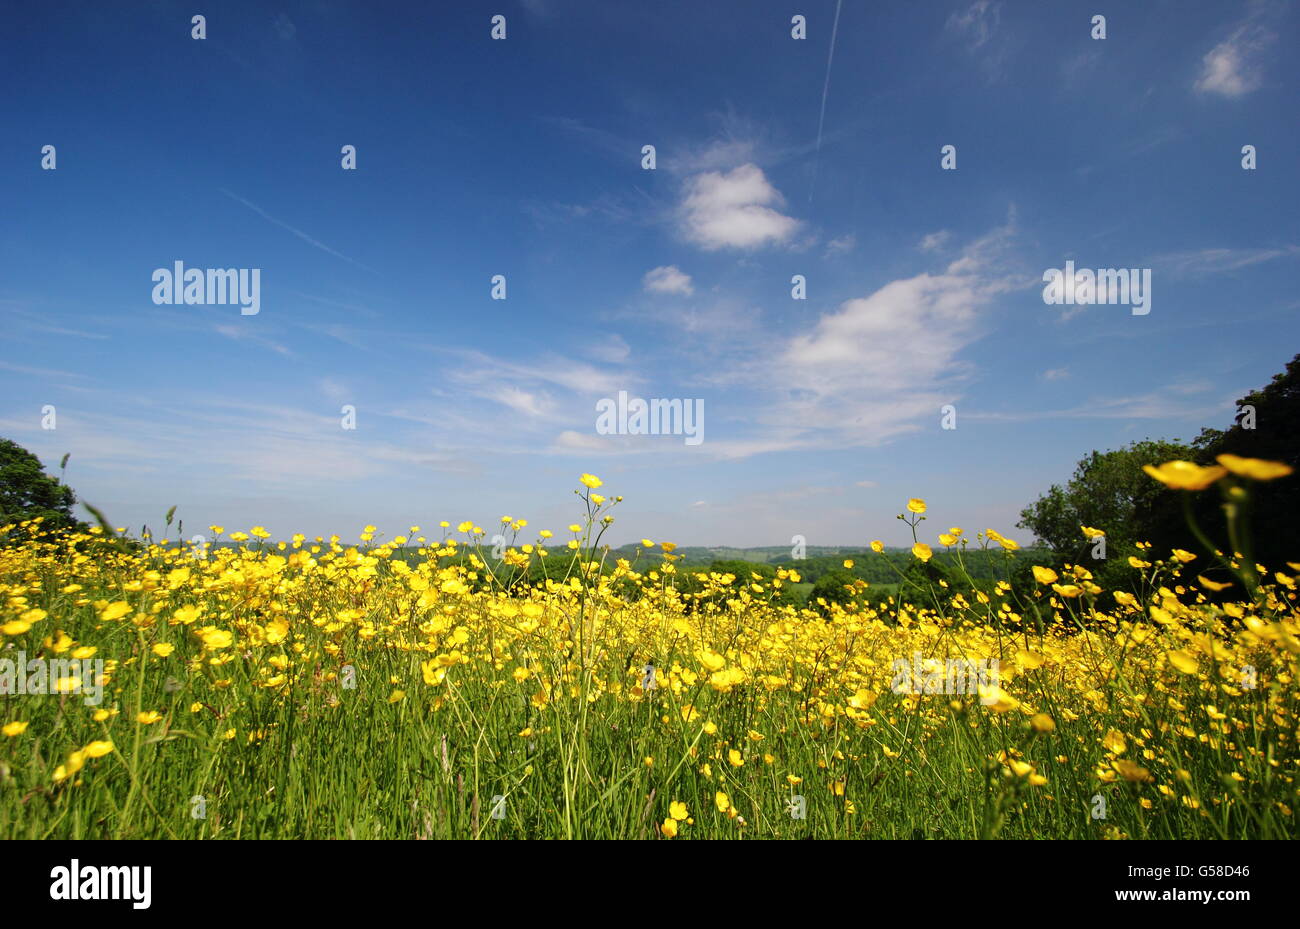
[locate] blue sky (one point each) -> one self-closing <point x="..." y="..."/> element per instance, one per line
<point x="522" y="157"/>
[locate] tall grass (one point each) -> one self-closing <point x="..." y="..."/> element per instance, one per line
<point x="357" y="697"/>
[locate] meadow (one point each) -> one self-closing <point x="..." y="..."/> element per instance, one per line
<point x="310" y="689"/>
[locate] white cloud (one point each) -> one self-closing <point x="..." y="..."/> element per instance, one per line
<point x="1231" y="68"/>
<point x="333" y="389"/>
<point x="977" y="22"/>
<point x="522" y="401"/>
<point x="591" y="443"/>
<point x="841" y="246"/>
<point x="977" y="28"/>
<point x="1220" y="260"/>
<point x="243" y="333"/>
<point x="612" y="348"/>
<point x="37" y="372"/>
<point x="1152" y="406"/>
<point x="668" y="279"/>
<point x="731" y="210"/>
<point x="558" y="371"/>
<point x="934" y="241"/>
<point x="884" y="364"/>
<point x="1056" y="374"/>
<point x="582" y="441"/>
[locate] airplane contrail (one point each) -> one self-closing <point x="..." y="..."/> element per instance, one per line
<point x="826" y="87"/>
<point x="298" y="232"/>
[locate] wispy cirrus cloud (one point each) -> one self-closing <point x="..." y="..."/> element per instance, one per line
<point x="1233" y="68"/>
<point x="976" y="23"/>
<point x="875" y="367"/>
<point x="37" y="372"/>
<point x="1219" y="260"/>
<point x="1160" y="408"/>
<point x="976" y="27"/>
<point x="244" y="334"/>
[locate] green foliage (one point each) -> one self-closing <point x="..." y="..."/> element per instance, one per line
<point x="836" y="586"/>
<point x="1108" y="491"/>
<point x="1267" y="425"/>
<point x="27" y="492"/>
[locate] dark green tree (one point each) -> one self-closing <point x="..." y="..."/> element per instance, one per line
<point x="26" y="491"/>
<point x="1266" y="425"/>
<point x="1108" y="491"/>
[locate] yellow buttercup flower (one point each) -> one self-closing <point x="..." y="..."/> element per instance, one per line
<point x="590" y="480"/>
<point x="215" y="638"/>
<point x="1044" y="575"/>
<point x="1256" y="469"/>
<point x="916" y="505"/>
<point x="1211" y="585"/>
<point x="712" y="660"/>
<point x="519" y="656"/>
<point x="1185" y="475"/>
<point x="997" y="699"/>
<point x="115" y="611"/>
<point x="1131" y="771"/>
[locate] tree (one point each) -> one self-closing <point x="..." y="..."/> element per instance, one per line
<point x="1109" y="491"/>
<point x="836" y="586"/>
<point x="1106" y="492"/>
<point x="1267" y="425"/>
<point x="26" y="491"/>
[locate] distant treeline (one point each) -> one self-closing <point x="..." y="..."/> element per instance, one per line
<point x="823" y="578"/>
